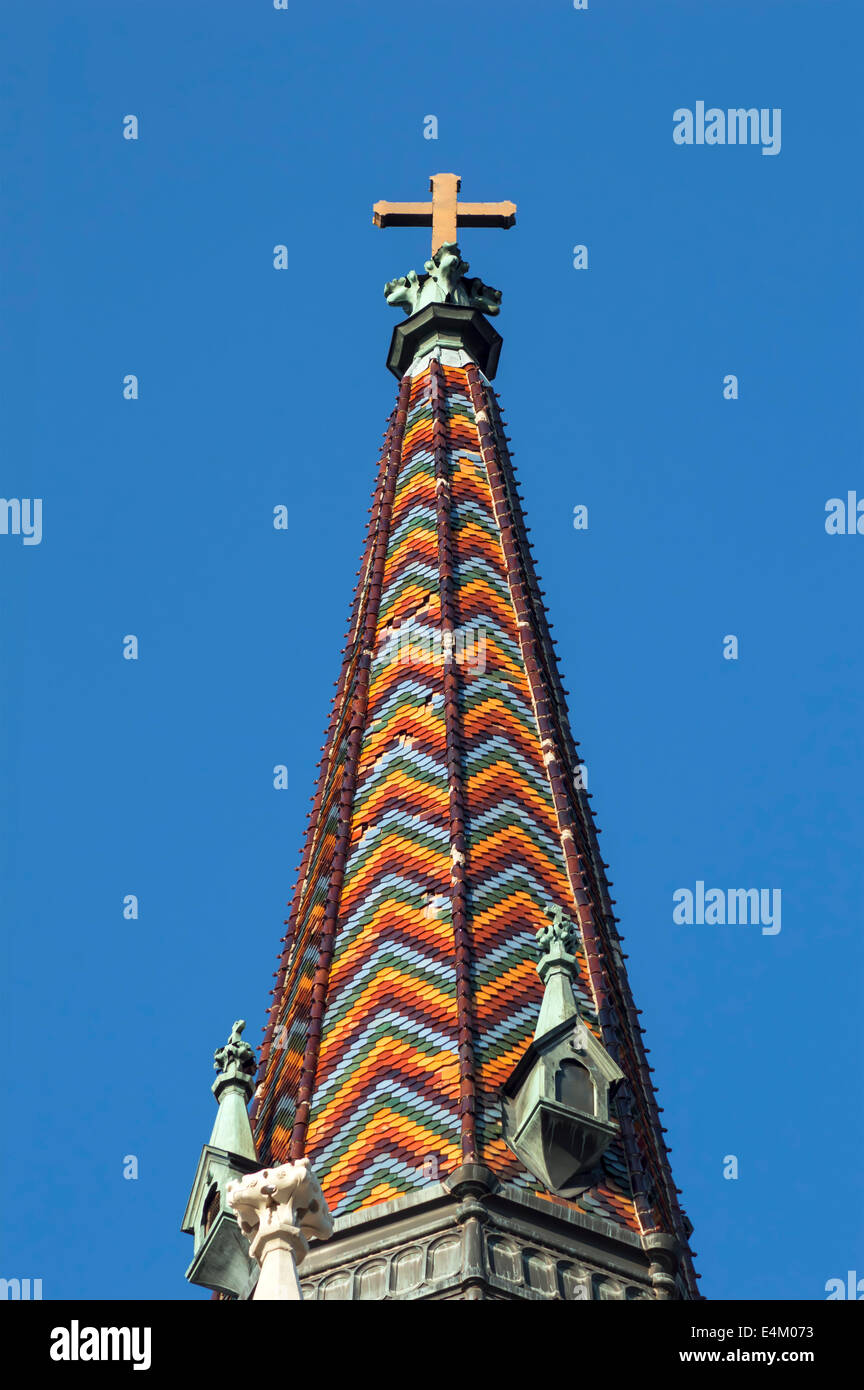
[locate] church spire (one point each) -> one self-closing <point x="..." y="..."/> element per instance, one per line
<point x="412" y="1053"/>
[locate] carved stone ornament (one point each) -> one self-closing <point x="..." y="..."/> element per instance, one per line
<point x="279" y="1210"/>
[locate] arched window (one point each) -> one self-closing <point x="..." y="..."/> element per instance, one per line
<point x="211" y="1208"/>
<point x="574" y="1087"/>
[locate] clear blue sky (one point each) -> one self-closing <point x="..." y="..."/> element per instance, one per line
<point x="258" y="387"/>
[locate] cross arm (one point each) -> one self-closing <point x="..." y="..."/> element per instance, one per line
<point x="386" y="214"/>
<point x="486" y="214"/>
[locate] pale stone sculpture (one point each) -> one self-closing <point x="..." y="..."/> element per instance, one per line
<point x="279" y="1210"/>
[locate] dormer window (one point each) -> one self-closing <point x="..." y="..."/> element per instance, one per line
<point x="556" y="1100"/>
<point x="211" y="1209"/>
<point x="574" y="1087"/>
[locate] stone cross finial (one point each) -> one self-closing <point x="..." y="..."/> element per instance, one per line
<point x="279" y="1210"/>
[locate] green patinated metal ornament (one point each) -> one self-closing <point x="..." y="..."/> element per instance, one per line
<point x="444" y="283"/>
<point x="221" y="1258"/>
<point x="556" y="1116"/>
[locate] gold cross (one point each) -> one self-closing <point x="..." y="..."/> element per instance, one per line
<point x="445" y="213"/>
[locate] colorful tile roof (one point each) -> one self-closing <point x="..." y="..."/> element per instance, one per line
<point x="447" y="817"/>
